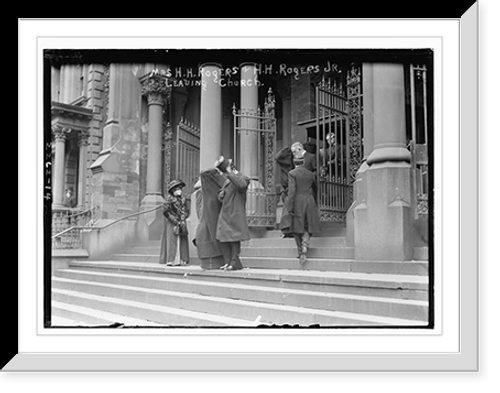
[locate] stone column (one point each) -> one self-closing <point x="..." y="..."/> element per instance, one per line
<point x="211" y="115"/>
<point x="382" y="220"/>
<point x="359" y="185"/>
<point x="150" y="225"/>
<point x="83" y="142"/>
<point x="210" y="144"/>
<point x="60" y="134"/>
<point x="389" y="138"/>
<point x="249" y="140"/>
<point x="70" y="82"/>
<point x="155" y="89"/>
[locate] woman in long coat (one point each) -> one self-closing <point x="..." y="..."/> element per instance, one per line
<point x="302" y="206"/>
<point x="174" y="241"/>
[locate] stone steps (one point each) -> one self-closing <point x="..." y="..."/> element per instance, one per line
<point x="350" y="282"/>
<point x="287" y="259"/>
<point x="331" y="289"/>
<point x="71" y="314"/>
<point x="150" y="312"/>
<point x="238" y="300"/>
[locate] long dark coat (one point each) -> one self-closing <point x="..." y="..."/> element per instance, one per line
<point x="206" y="242"/>
<point x="310" y="161"/>
<point x="175" y="210"/>
<point x="284" y="159"/>
<point x="301" y="201"/>
<point x="232" y="225"/>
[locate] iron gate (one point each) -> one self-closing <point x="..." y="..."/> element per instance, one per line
<point x="419" y="135"/>
<point x="332" y="158"/>
<point x="261" y="125"/>
<point x="186" y="143"/>
<point x="339" y="136"/>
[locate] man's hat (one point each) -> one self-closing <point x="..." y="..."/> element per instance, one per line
<point x="175" y="184"/>
<point x="222" y="163"/>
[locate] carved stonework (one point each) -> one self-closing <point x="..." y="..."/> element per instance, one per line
<point x="423" y="204"/>
<point x="154" y="87"/>
<point x="83" y="137"/>
<point x="331" y="216"/>
<point x="106" y="92"/>
<point x="167" y="158"/>
<point x="355" y="96"/>
<point x="60" y="133"/>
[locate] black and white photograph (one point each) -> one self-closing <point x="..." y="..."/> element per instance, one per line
<point x="239" y="188"/>
<point x="253" y="202"/>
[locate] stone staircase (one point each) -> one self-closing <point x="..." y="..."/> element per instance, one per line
<point x="330" y="290"/>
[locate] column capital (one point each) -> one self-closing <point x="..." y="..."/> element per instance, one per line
<point x="83" y="138"/>
<point x="248" y="64"/>
<point x="211" y="64"/>
<point x="60" y="133"/>
<point x="154" y="87"/>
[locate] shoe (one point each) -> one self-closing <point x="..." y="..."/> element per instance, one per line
<point x="169" y="264"/>
<point x="230" y="267"/>
<point x="224" y="267"/>
<point x="303" y="258"/>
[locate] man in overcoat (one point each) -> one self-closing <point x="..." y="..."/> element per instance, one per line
<point x="301" y="204"/>
<point x="333" y="158"/>
<point x="232" y="227"/>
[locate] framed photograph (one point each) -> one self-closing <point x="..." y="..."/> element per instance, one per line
<point x="248" y="195"/>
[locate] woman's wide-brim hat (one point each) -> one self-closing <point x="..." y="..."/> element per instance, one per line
<point x="222" y="163"/>
<point x="175" y="184"/>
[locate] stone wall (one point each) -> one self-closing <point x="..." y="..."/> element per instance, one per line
<point x="302" y="106"/>
<point x="117" y="194"/>
<point x="96" y="85"/>
<point x="115" y="140"/>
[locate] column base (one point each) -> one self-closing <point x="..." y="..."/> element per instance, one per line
<point x="359" y="197"/>
<point x="389" y="153"/>
<point x="383" y="224"/>
<point x="150" y="225"/>
<point x="151" y="200"/>
<point x="256" y="202"/>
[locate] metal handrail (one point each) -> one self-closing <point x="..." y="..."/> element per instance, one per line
<point x="107" y="225"/>
<point x="83" y="212"/>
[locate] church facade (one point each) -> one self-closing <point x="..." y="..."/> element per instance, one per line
<point x="123" y="124"/>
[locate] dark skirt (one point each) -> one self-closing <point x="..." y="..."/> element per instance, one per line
<point x="174" y="249"/>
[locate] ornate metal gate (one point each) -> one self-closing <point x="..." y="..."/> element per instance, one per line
<point x="339" y="142"/>
<point x="419" y="135"/>
<point x="261" y="197"/>
<point x="187" y="154"/>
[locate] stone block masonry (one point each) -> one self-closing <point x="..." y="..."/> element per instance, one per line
<point x="116" y="193"/>
<point x="96" y="93"/>
<point x="302" y="105"/>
